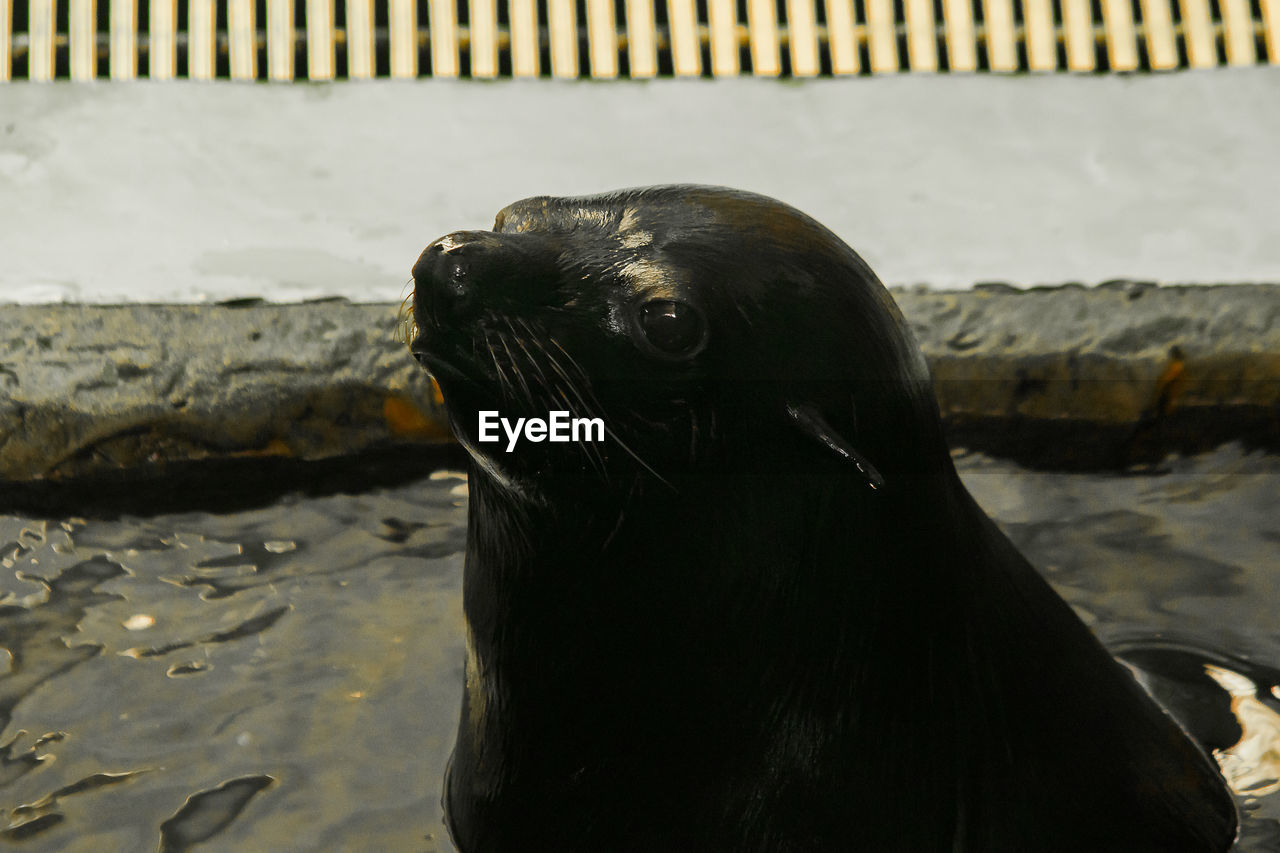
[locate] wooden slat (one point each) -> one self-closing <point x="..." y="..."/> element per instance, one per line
<point x="1002" y="48"/>
<point x="1197" y="34"/>
<point x="562" y="24"/>
<point x="882" y="38"/>
<point x="1122" y="38"/>
<point x="6" y="39"/>
<point x="1237" y="24"/>
<point x="762" y="26"/>
<point x="322" y="49"/>
<point x="686" y="56"/>
<point x="83" y="35"/>
<point x="642" y="40"/>
<point x="802" y="32"/>
<point x="1077" y="24"/>
<point x="280" y="40"/>
<point x="962" y="46"/>
<point x="1271" y="29"/>
<point x="483" y="49"/>
<point x="842" y="40"/>
<point x="722" y="22"/>
<point x="123" y="53"/>
<point x="442" y="17"/>
<point x="360" y="39"/>
<point x="402" y="37"/>
<point x="602" y="39"/>
<point x="525" y="60"/>
<point x="41" y="17"/>
<point x="922" y="36"/>
<point x="1042" y="39"/>
<point x="242" y="36"/>
<point x="162" y="53"/>
<point x="201" y="19"/>
<point x="1157" y="20"/>
<point x="764" y="46"/>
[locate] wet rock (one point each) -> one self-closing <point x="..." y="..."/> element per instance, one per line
<point x="1069" y="376"/>
<point x="91" y="388"/>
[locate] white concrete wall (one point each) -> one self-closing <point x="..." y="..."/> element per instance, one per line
<point x="184" y="192"/>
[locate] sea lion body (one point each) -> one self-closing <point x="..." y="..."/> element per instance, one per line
<point x="764" y="614"/>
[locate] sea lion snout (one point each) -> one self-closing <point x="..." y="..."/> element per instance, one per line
<point x="446" y="271"/>
<point x="464" y="272"/>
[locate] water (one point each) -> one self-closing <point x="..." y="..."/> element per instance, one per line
<point x="288" y="678"/>
<point x="311" y="649"/>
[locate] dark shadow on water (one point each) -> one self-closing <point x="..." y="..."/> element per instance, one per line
<point x="207" y="813"/>
<point x="224" y="485"/>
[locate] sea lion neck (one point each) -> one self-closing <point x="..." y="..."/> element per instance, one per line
<point x="735" y="623"/>
<point x="766" y="546"/>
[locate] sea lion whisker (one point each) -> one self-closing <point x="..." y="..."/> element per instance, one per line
<point x="693" y="434"/>
<point x="504" y="382"/>
<point x="554" y="395"/>
<point x="570" y="385"/>
<point x="609" y="431"/>
<point x="587" y="396"/>
<point x="529" y="356"/>
<point x="645" y="465"/>
<point x="590" y="449"/>
<point x="505" y="360"/>
<point x="536" y="339"/>
<point x="573" y="400"/>
<point x="406" y="326"/>
<point x="520" y="342"/>
<point x="547" y="382"/>
<point x="556" y="391"/>
<point x="572" y="361"/>
<point x="570" y="388"/>
<point x="614" y="532"/>
<point x="515" y="368"/>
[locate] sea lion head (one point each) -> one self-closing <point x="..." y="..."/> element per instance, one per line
<point x="700" y="324"/>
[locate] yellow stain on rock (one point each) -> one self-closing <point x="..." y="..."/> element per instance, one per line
<point x="274" y="447"/>
<point x="405" y="419"/>
<point x="1172" y="382"/>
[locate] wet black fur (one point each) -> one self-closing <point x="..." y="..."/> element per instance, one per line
<point x="709" y="632"/>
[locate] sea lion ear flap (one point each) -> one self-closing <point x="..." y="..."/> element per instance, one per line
<point x="810" y="422"/>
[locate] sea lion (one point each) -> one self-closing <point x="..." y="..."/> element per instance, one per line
<point x="763" y="614"/>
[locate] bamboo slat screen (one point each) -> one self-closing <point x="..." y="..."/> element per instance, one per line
<point x="284" y="40"/>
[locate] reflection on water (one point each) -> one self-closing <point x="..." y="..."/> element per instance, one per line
<point x="277" y="679"/>
<point x="1178" y="571"/>
<point x="288" y="678"/>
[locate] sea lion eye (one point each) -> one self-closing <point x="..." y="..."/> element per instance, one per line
<point x="674" y="328"/>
